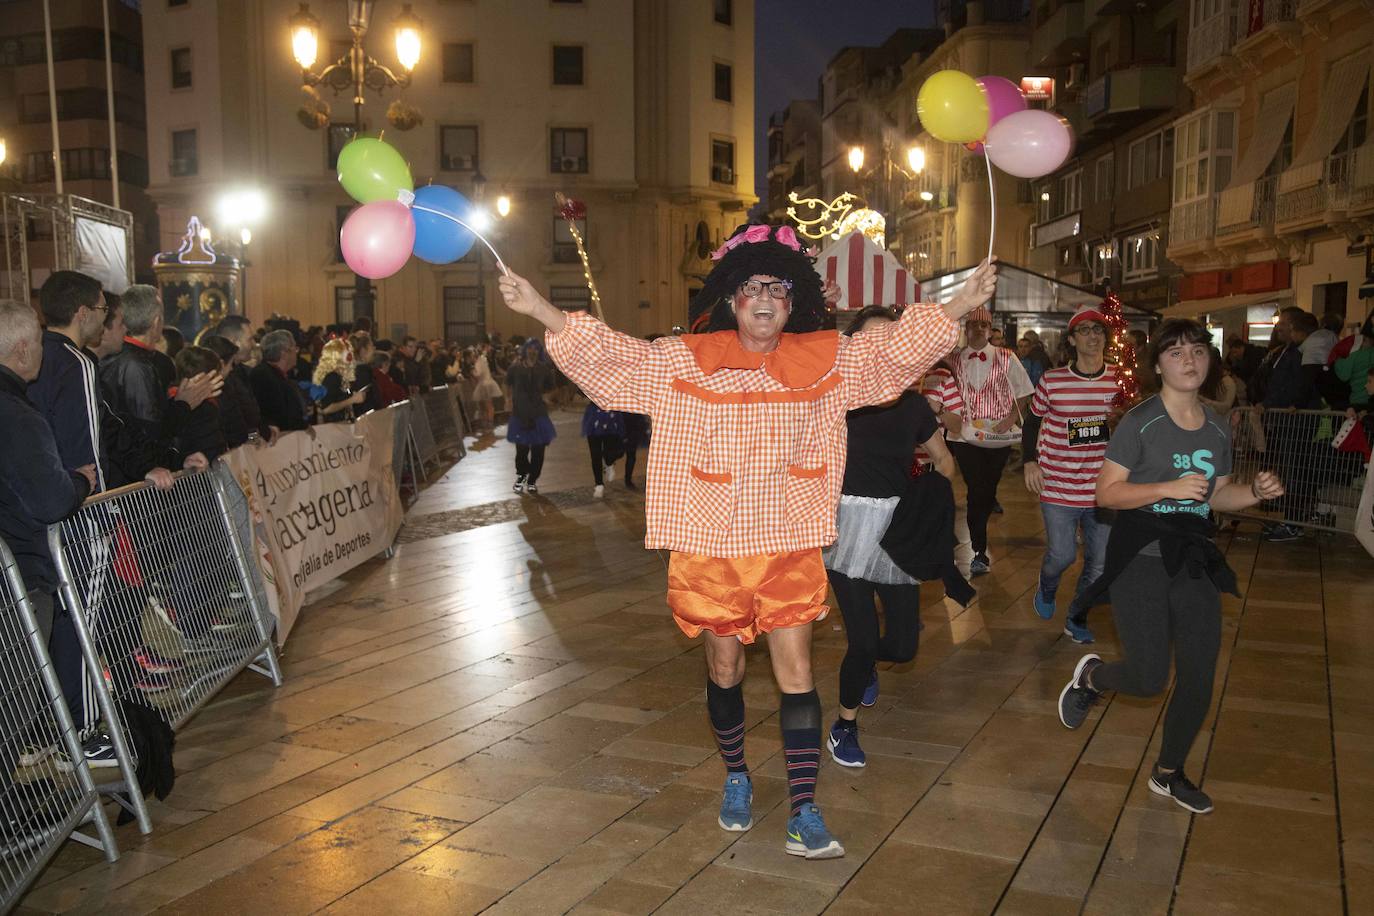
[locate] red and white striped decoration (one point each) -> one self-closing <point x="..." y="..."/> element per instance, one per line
<point x="866" y="274"/>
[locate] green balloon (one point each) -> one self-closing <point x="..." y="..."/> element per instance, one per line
<point x="371" y="170"/>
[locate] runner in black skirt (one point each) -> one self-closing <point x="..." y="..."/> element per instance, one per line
<point x="882" y="443"/>
<point x="1167" y="468"/>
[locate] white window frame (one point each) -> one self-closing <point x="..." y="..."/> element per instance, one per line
<point x="1104" y="175"/>
<point x="1139" y="256"/>
<point x="1070" y="193"/>
<point x="1102" y="266"/>
<point x="1139" y="151"/>
<point x="1203" y="154"/>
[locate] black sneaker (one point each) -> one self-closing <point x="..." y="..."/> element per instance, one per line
<point x="1285" y="532"/>
<point x="519" y="486"/>
<point x="997" y="508"/>
<point x="98" y="750"/>
<point x="531" y="487"/>
<point x="1077" y="697"/>
<point x="980" y="566"/>
<point x="1178" y="787"/>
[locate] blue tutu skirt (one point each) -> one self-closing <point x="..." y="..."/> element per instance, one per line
<point x="598" y="422"/>
<point x="540" y="432"/>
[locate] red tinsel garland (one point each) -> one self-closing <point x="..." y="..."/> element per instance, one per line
<point x="1121" y="352"/>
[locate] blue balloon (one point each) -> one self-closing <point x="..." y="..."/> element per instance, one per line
<point x="439" y="240"/>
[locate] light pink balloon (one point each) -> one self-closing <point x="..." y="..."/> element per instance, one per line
<point x="1029" y="144"/>
<point x="377" y="238"/>
<point x="1004" y="98"/>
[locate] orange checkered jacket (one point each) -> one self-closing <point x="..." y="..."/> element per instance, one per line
<point x="748" y="449"/>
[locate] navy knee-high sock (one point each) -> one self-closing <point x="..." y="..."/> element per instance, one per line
<point x="726" y="707"/>
<point x="801" y="743"/>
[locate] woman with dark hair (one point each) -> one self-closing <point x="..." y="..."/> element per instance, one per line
<point x="172" y="342"/>
<point x="1218" y="389"/>
<point x="1168" y="467"/>
<point x="239" y="416"/>
<point x="529" y="426"/>
<point x="201" y="431"/>
<point x="882" y="442"/>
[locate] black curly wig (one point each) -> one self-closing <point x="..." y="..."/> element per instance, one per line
<point x="713" y="308"/>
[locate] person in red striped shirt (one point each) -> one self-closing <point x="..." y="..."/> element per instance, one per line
<point x="1065" y="441"/>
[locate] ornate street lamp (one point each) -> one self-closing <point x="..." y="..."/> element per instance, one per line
<point x="356" y="69"/>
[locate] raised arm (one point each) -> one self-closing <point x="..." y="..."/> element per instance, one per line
<point x="880" y="364"/>
<point x="617" y="371"/>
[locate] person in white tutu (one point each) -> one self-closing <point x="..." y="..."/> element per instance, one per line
<point x="485" y="388"/>
<point x="882" y="444"/>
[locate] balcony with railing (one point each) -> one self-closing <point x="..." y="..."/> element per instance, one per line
<point x="1210" y="41"/>
<point x="1248" y="208"/>
<point x="1266" y="22"/>
<point x="1192" y="222"/>
<point x="1061" y="38"/>
<point x="1317" y="193"/>
<point x="1056" y="230"/>
<point x="1130" y="91"/>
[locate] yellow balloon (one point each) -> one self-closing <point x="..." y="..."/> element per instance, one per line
<point x="952" y="107"/>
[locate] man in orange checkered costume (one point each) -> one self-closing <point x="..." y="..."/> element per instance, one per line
<point x="745" y="468"/>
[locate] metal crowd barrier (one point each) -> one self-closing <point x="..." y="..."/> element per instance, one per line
<point x="445" y="423"/>
<point x="1323" y="482"/>
<point x="166" y="606"/>
<point x="46" y="790"/>
<point x="423" y="433"/>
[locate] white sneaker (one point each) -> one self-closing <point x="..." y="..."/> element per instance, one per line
<point x="609" y="474"/>
<point x="598" y="491"/>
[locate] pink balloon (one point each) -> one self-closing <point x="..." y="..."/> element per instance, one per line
<point x="377" y="238"/>
<point x="1004" y="98"/>
<point x="1029" y="144"/>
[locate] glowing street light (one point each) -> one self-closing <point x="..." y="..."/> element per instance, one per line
<point x="503" y="205"/>
<point x="2" y="150"/>
<point x="856" y="158"/>
<point x="242" y="207"/>
<point x="305" y="37"/>
<point x="916" y="158"/>
<point x="407" y="26"/>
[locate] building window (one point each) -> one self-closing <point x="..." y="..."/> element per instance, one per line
<point x="181" y="68"/>
<point x="1203" y="151"/>
<point x="570" y="298"/>
<point x="458" y="63"/>
<point x="346" y="309"/>
<point x="564" y="248"/>
<point x="1102" y="178"/>
<point x="458" y="148"/>
<point x="1101" y="255"/>
<point x="1070" y="192"/>
<point x="1139" y="256"/>
<point x="723" y="161"/>
<point x="185" y="160"/>
<point x="1148" y="158"/>
<point x="724" y="11"/>
<point x="1044" y="204"/>
<point x="567" y="65"/>
<point x="568" y="150"/>
<point x="465" y="314"/>
<point x="339" y="135"/>
<point x="724" y="83"/>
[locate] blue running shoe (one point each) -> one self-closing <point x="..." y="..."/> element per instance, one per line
<point x="871" y="691"/>
<point x="807" y="836"/>
<point x="1043" y="606"/>
<point x="735" y="813"/>
<point x="844" y="746"/>
<point x="1079" y="632"/>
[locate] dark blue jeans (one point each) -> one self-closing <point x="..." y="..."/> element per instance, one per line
<point x="1061" y="535"/>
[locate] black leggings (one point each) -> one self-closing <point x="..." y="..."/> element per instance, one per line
<point x="902" y="612"/>
<point x="982" y="471"/>
<point x="1152" y="609"/>
<point x="529" y="461"/>
<point x="604" y="450"/>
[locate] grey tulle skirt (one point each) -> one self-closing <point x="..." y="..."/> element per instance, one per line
<point x="857" y="552"/>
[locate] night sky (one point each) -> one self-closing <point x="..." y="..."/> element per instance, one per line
<point x="795" y="39"/>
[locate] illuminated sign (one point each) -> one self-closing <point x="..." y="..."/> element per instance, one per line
<point x="1037" y="88"/>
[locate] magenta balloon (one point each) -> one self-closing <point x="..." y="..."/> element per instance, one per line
<point x="1004" y="97"/>
<point x="1029" y="144"/>
<point x="377" y="238"/>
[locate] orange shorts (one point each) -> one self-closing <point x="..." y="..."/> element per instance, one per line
<point x="746" y="596"/>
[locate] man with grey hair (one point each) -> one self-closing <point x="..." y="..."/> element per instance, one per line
<point x="279" y="397"/>
<point x="136" y="383"/>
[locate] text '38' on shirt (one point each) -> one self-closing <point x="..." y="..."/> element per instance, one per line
<point x="1074" y="434"/>
<point x="1155" y="449"/>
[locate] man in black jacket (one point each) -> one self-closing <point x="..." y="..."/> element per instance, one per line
<point x="144" y="416"/>
<point x="36" y="490"/>
<point x="1282" y="384"/>
<point x="278" y="397"/>
<point x="65" y="393"/>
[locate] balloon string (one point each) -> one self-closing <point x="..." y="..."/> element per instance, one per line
<point x="480" y="237"/>
<point x="992" y="203"/>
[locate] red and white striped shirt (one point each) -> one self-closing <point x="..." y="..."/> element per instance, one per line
<point x="1073" y="434"/>
<point x="990" y="381"/>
